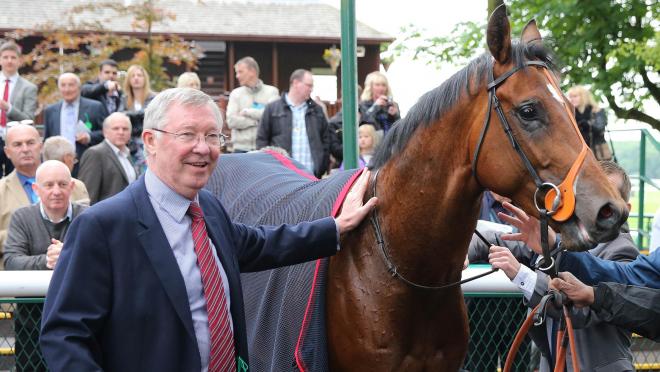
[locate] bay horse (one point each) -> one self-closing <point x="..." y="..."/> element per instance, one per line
<point x="429" y="175"/>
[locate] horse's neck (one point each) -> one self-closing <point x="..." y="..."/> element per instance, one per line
<point x="428" y="199"/>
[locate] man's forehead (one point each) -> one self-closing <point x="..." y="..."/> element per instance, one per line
<point x="18" y="135"/>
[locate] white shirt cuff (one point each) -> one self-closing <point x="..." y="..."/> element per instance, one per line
<point x="526" y="281"/>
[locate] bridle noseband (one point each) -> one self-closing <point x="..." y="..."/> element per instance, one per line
<point x="559" y="201"/>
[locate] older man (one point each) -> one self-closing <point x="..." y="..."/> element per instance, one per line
<point x="107" y="168"/>
<point x="34" y="242"/>
<point x="18" y="97"/>
<point x="76" y="118"/>
<point x="297" y="124"/>
<point x="149" y="279"/>
<point x="246" y="104"/>
<point x="22" y="149"/>
<point x="60" y="149"/>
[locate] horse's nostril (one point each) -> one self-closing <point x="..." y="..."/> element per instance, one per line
<point x="605" y="212"/>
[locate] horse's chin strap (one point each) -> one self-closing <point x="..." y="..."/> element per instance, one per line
<point x="391" y="267"/>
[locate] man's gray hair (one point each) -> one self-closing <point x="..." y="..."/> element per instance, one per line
<point x="56" y="147"/>
<point x="249" y="62"/>
<point x="67" y="75"/>
<point x="115" y="116"/>
<point x="155" y="116"/>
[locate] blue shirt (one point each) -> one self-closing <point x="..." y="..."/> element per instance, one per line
<point x="171" y="208"/>
<point x="69" y="120"/>
<point x="27" y="182"/>
<point x="300" y="149"/>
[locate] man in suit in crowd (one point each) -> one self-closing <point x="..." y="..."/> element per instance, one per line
<point x="148" y="280"/>
<point x="105" y="88"/>
<point x="298" y="125"/>
<point x="107" y="168"/>
<point x="34" y="242"/>
<point x="76" y="118"/>
<point x="18" y="97"/>
<point x="60" y="149"/>
<point x="602" y="346"/>
<point x="246" y="105"/>
<point x="22" y="148"/>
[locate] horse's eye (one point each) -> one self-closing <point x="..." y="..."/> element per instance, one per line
<point x="528" y="112"/>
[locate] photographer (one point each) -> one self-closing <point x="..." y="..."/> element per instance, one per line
<point x="105" y="88"/>
<point x="376" y="105"/>
<point x="591" y="120"/>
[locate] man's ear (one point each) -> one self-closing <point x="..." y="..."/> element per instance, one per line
<point x="149" y="139"/>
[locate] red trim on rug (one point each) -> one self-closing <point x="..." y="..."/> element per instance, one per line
<point x="289" y="164"/>
<point x="335" y="211"/>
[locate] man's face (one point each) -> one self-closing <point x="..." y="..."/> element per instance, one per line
<point x="9" y="62"/>
<point x="23" y="147"/>
<point x="69" y="88"/>
<point x="184" y="167"/>
<point x="108" y="72"/>
<point x="245" y="75"/>
<point x="118" y="131"/>
<point x="305" y="86"/>
<point x="54" y="186"/>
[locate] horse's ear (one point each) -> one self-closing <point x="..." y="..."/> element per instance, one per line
<point x="530" y="33"/>
<point x="498" y="35"/>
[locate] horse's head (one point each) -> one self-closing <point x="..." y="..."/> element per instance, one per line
<point x="537" y="155"/>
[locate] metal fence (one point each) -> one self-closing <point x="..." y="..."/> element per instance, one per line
<point x="495" y="313"/>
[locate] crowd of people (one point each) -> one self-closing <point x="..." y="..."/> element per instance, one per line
<point x="99" y="139"/>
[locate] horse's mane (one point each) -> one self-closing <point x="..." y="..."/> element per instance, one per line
<point x="435" y="103"/>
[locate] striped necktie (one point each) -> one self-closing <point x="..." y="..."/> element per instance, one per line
<point x="222" y="339"/>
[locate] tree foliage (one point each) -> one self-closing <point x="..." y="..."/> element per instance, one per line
<point x="610" y="46"/>
<point x="83" y="41"/>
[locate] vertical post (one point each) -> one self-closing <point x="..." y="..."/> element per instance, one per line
<point x="642" y="175"/>
<point x="349" y="83"/>
<point x="276" y="69"/>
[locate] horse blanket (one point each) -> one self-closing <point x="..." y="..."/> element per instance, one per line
<point x="285" y="307"/>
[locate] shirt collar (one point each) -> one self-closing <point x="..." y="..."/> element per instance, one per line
<point x="75" y="103"/>
<point x="12" y="78"/>
<point x="125" y="152"/>
<point x="69" y="213"/>
<point x="167" y="199"/>
<point x="23" y="178"/>
<point x="288" y="102"/>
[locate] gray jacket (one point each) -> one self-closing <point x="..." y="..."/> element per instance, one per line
<point x="28" y="238"/>
<point x="23" y="101"/>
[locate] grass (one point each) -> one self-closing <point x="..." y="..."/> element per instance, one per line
<point x="651" y="205"/>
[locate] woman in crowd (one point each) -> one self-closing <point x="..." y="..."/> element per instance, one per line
<point x="189" y="80"/>
<point x="368" y="140"/>
<point x="376" y="104"/>
<point x="137" y="95"/>
<point x="591" y="120"/>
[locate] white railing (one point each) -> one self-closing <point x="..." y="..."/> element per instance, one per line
<point x="35" y="283"/>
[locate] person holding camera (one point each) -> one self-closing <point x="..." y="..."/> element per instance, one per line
<point x="106" y="87"/>
<point x="377" y="106"/>
<point x="591" y="120"/>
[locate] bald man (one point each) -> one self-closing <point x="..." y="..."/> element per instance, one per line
<point x="76" y="118"/>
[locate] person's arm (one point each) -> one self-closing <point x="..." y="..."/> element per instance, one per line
<point x="599" y="121"/>
<point x="264" y="131"/>
<point x="643" y="271"/>
<point x="634" y="308"/>
<point x="17" y="247"/>
<point x="96" y="117"/>
<point x="93" y="90"/>
<point x="91" y="174"/>
<point x="29" y="105"/>
<point x="235" y="119"/>
<point x="78" y="300"/>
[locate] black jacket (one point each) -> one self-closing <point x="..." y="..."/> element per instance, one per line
<point x="276" y="125"/>
<point x="97" y="91"/>
<point x="636" y="309"/>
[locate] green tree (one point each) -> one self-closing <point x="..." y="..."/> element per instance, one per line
<point x="83" y="42"/>
<point x="611" y="46"/>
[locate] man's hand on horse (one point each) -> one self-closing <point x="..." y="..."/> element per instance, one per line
<point x="354" y="211"/>
<point x="578" y="292"/>
<point x="529" y="228"/>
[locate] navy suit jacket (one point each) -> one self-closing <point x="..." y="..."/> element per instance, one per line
<point x="88" y="108"/>
<point x="117" y="300"/>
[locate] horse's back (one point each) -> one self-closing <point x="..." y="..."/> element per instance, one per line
<point x="264" y="189"/>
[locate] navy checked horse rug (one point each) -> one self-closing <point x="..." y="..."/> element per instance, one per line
<point x="285" y="307"/>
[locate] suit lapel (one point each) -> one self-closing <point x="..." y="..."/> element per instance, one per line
<point x="115" y="161"/>
<point x="158" y="250"/>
